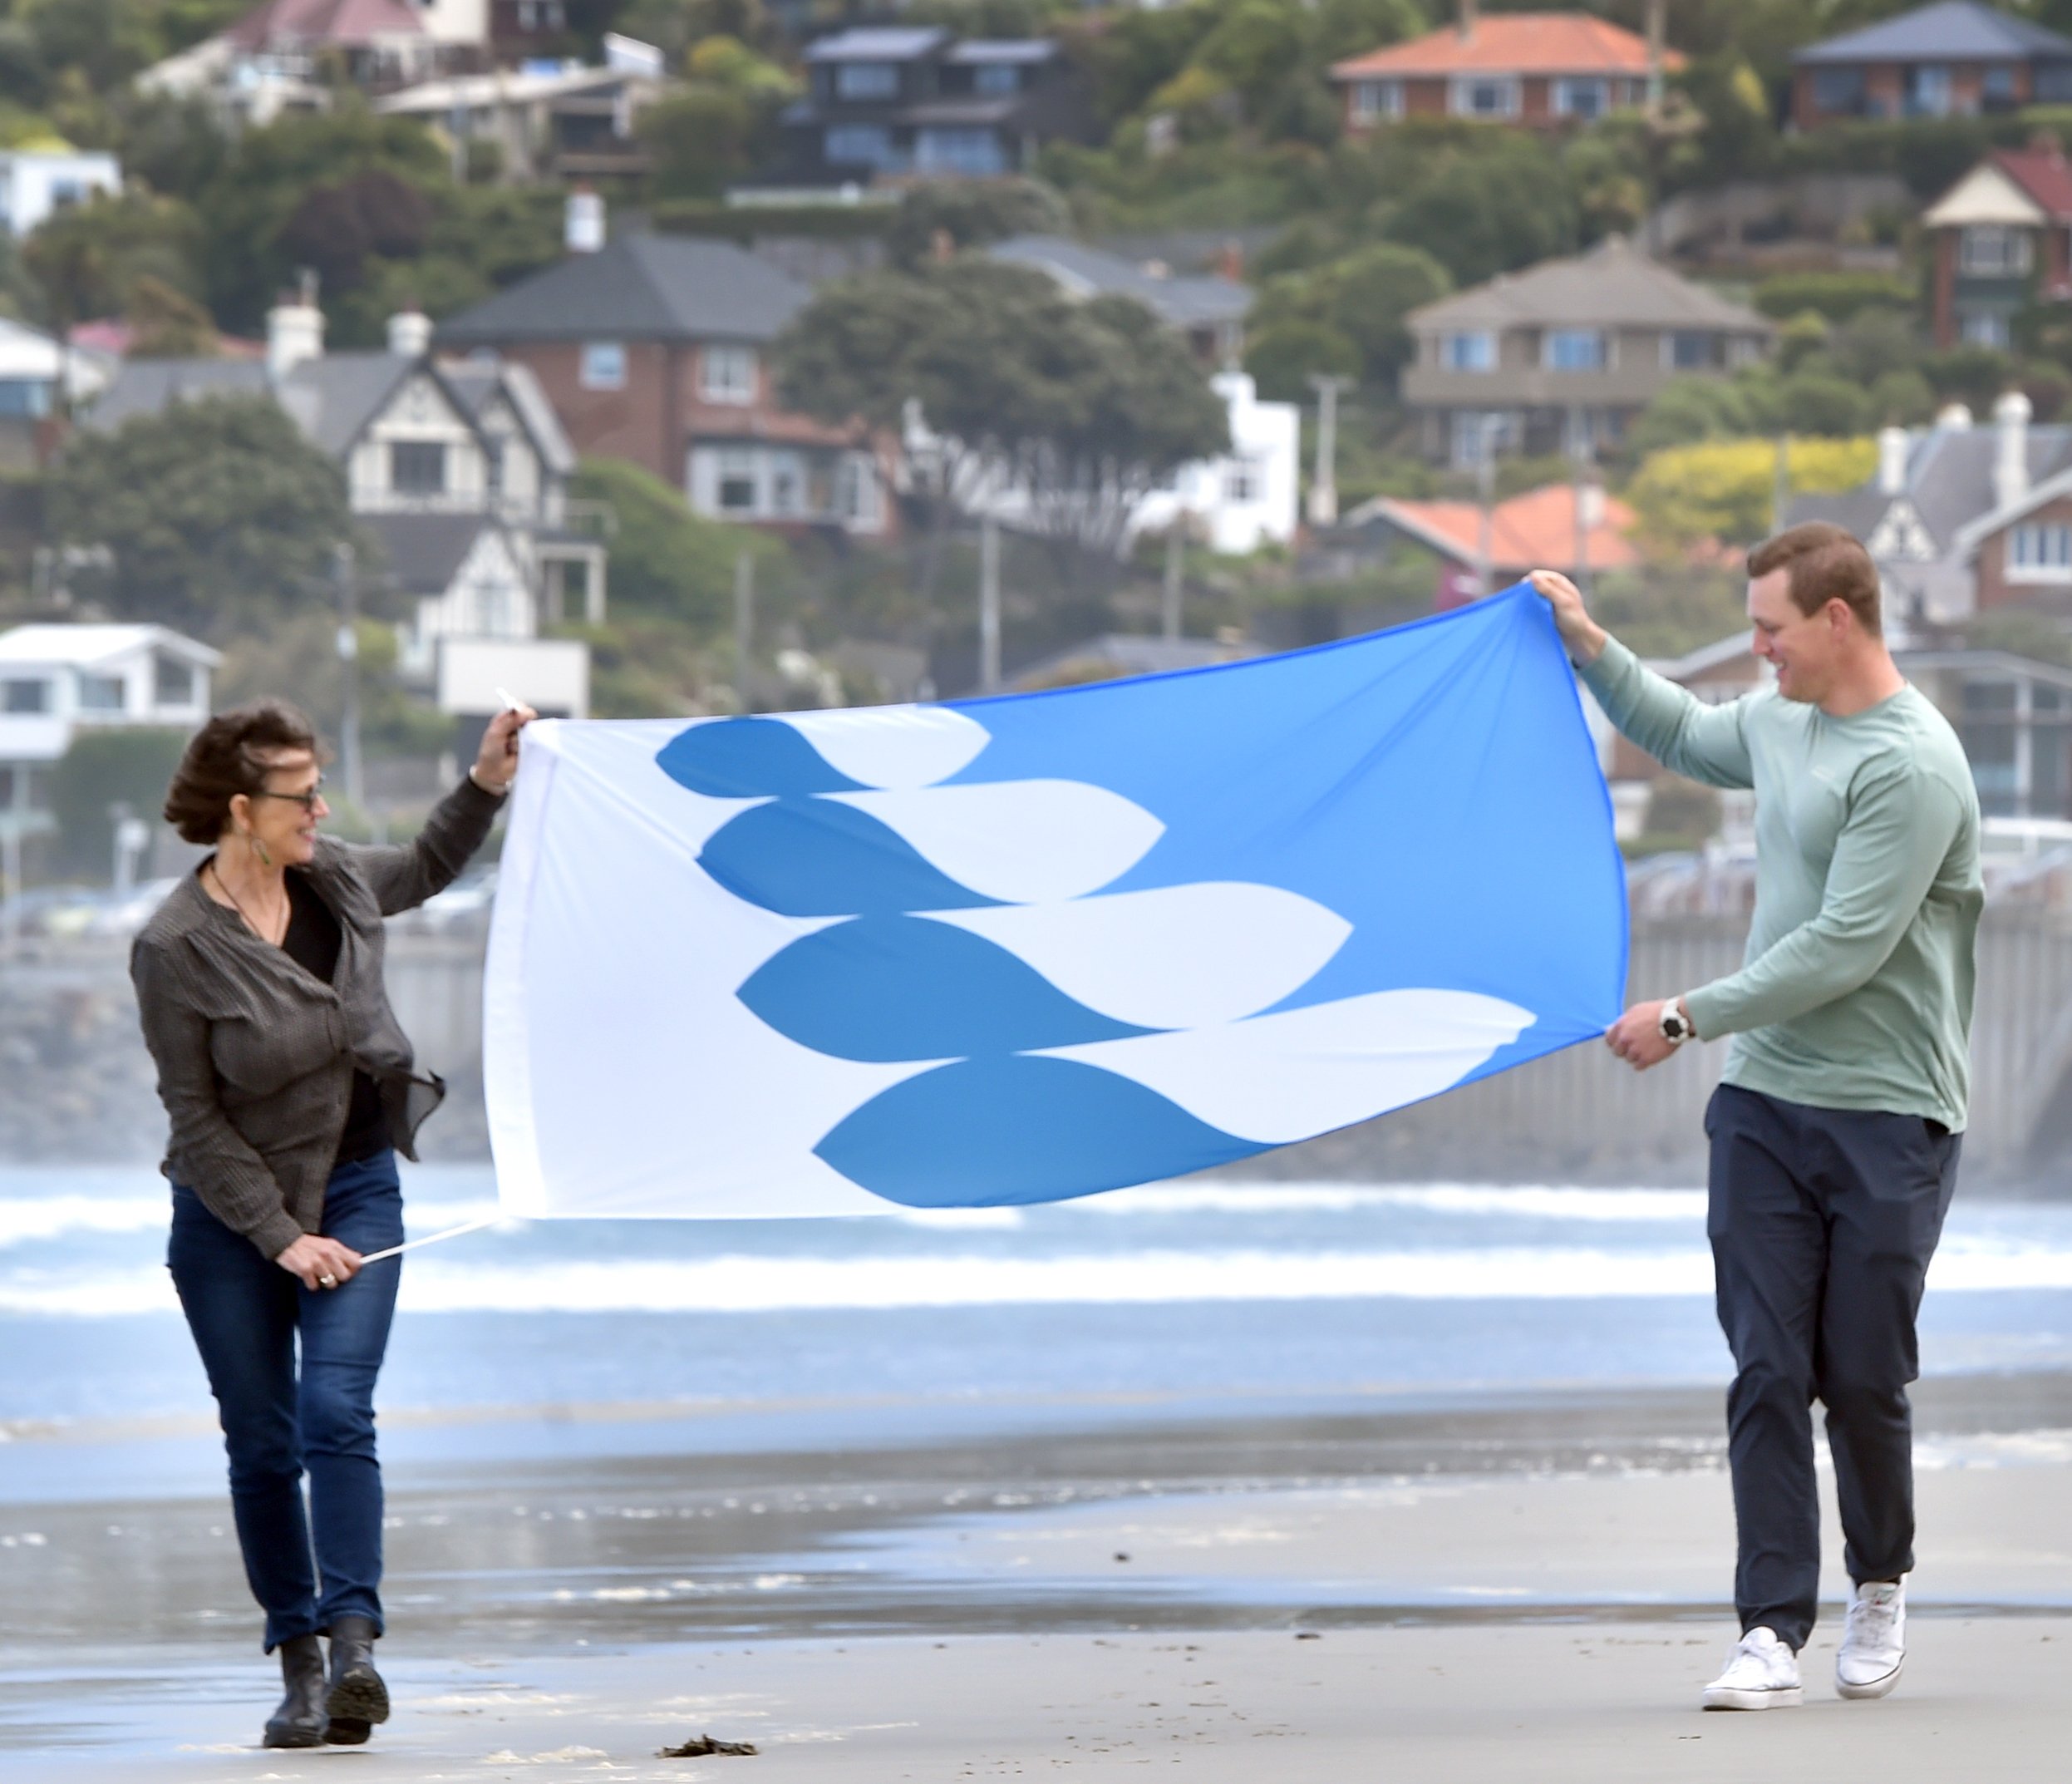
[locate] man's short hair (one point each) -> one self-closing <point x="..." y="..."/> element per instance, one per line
<point x="1822" y="564"/>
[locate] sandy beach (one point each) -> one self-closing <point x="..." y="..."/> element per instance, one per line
<point x="1456" y="1592"/>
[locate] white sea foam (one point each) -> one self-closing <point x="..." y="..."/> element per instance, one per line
<point x="1529" y="1202"/>
<point x="745" y="1284"/>
<point x="34" y="1220"/>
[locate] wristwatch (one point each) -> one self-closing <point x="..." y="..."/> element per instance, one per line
<point x="1674" y="1025"/>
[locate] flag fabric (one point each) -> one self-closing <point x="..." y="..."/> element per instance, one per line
<point x="1017" y="950"/>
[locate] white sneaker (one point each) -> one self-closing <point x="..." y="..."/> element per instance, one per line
<point x="1873" y="1640"/>
<point x="1762" y="1674"/>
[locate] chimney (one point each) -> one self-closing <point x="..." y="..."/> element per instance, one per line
<point x="583" y="227"/>
<point x="1230" y="258"/>
<point x="1470" y="11"/>
<point x="2011" y="454"/>
<point x="1893" y="447"/>
<point x="410" y="334"/>
<point x="294" y="330"/>
<point x="1590" y="505"/>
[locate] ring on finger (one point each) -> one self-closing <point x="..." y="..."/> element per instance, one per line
<point x="329" y="1281"/>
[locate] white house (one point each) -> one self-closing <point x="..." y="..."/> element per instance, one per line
<point x="458" y="470"/>
<point x="1247" y="498"/>
<point x="35" y="371"/>
<point x="36" y="183"/>
<point x="56" y="680"/>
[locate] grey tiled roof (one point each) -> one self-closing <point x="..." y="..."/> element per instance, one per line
<point x="476" y="382"/>
<point x="1949" y="481"/>
<point x="1950" y="31"/>
<point x="879" y="43"/>
<point x="1613" y="283"/>
<point x="424" y="552"/>
<point x="638" y="287"/>
<point x="1183" y="303"/>
<point x="331" y="399"/>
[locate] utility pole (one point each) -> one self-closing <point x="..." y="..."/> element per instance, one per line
<point x="1323" y="483"/>
<point x="1579" y="461"/>
<point x="345" y="572"/>
<point x="744" y="626"/>
<point x="1485" y="494"/>
<point x="1175" y="575"/>
<point x="989" y="604"/>
<point x="1780" y="485"/>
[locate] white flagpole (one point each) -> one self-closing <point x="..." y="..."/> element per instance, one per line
<point x="432" y="1239"/>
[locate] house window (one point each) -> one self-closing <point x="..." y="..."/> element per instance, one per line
<point x="1986" y="328"/>
<point x="1375" y="101"/>
<point x="102" y="693"/>
<point x="2039" y="552"/>
<point x="727" y="374"/>
<point x="1993" y="250"/>
<point x="417" y="467"/>
<point x="604" y="364"/>
<point x="995" y="79"/>
<point x="1472" y="351"/>
<point x="787" y="484"/>
<point x="978" y="153"/>
<point x="7" y="778"/>
<point x="1485" y="96"/>
<point x="25" y="696"/>
<point x="1479" y="434"/>
<point x="1839" y="92"/>
<point x="867" y="80"/>
<point x="1242" y="482"/>
<point x="1574" y="350"/>
<point x="2050" y="84"/>
<point x="172" y="681"/>
<point x="1928" y="90"/>
<point x="736" y="487"/>
<point x="856" y="491"/>
<point x="1689" y="349"/>
<point x="1996" y="88"/>
<point x="65" y="194"/>
<point x="1581" y="96"/>
<point x="859" y="146"/>
<point x="29" y="397"/>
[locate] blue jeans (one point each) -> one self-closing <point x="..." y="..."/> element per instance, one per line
<point x="245" y="1311"/>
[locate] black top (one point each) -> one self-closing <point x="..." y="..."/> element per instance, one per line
<point x="312" y="942"/>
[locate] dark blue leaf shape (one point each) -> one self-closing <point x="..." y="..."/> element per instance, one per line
<point x="903" y="987"/>
<point x="750" y="758"/>
<point x="820" y="858"/>
<point x="985" y="1133"/>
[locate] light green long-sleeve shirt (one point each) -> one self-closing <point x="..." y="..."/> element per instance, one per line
<point x="1856" y="989"/>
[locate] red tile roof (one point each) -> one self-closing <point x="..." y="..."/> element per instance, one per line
<point x="1536" y="530"/>
<point x="2043" y="174"/>
<point x="1512" y="43"/>
<point x="277" y="23"/>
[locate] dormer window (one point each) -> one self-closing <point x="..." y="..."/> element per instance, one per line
<point x="417" y="467"/>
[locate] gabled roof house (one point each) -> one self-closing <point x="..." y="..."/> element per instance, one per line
<point x="2001" y="238"/>
<point x="1954" y="58"/>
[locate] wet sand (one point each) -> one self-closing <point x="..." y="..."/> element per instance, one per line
<point x="1462" y="1592"/>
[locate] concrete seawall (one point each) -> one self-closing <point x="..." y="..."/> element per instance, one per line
<point x="75" y="1083"/>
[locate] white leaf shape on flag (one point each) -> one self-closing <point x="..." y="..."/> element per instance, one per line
<point x="892" y="745"/>
<point x="1287" y="1077"/>
<point x="1025" y="841"/>
<point x="1172" y="957"/>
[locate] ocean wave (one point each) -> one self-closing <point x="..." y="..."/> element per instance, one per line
<point x="745" y="1284"/>
<point x="1532" y="1202"/>
<point x="38" y="1220"/>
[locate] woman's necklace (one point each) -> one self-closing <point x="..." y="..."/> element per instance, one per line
<point x="236" y="904"/>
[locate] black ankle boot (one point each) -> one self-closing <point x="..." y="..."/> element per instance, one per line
<point x="357" y="1699"/>
<point x="300" y="1721"/>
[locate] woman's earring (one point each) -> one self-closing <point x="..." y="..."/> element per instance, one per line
<point x="257" y="848"/>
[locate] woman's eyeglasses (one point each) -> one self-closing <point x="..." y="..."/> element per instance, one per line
<point x="307" y="801"/>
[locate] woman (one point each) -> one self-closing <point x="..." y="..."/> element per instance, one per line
<point x="291" y="1089"/>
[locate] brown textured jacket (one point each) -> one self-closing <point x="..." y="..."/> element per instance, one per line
<point x="255" y="1056"/>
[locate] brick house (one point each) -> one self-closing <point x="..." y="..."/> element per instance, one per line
<point x="655" y="348"/>
<point x="1567" y="352"/>
<point x="1952" y="59"/>
<point x="2002" y="239"/>
<point x="1540" y="68"/>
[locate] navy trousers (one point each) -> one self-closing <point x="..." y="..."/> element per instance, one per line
<point x="1822" y="1222"/>
<point x="280" y="1421"/>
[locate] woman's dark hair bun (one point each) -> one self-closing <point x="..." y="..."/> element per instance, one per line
<point x="228" y="755"/>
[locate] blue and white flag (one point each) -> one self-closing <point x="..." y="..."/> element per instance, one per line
<point x="1017" y="950"/>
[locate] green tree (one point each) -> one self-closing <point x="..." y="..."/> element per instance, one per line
<point x="668" y="563"/>
<point x="1362" y="298"/>
<point x="102" y="770"/>
<point x="1281" y="355"/>
<point x="972" y="213"/>
<point x="89" y="259"/>
<point x="1085" y="406"/>
<point x="702" y="138"/>
<point x="215" y="515"/>
<point x="1509" y="206"/>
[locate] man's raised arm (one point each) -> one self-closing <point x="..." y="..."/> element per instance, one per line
<point x="1679" y="731"/>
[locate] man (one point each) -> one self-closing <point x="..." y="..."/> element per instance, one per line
<point x="1835" y="1132"/>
